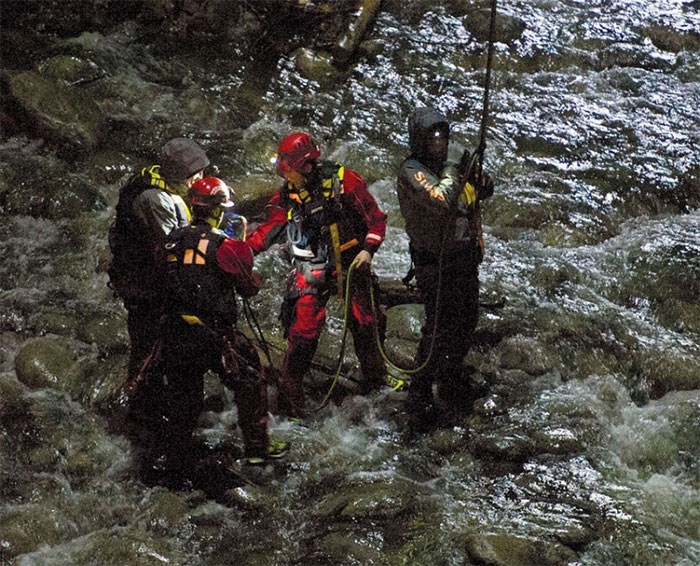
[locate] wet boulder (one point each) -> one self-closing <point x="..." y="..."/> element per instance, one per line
<point x="107" y="330"/>
<point x="507" y="29"/>
<point x="27" y="527"/>
<point x="687" y="194"/>
<point x="58" y="111"/>
<point x="505" y="549"/>
<point x="44" y="362"/>
<point x="13" y="405"/>
<point x="526" y="354"/>
<point x="365" y="501"/>
<point x="670" y="39"/>
<point x="317" y="65"/>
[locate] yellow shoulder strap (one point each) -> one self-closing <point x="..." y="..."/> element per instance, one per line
<point x="335" y="240"/>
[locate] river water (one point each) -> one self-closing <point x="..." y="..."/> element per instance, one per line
<point x="584" y="448"/>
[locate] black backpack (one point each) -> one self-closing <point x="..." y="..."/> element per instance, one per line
<point x="131" y="265"/>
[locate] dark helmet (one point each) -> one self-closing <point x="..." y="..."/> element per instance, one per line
<point x="181" y="158"/>
<point x="210" y="192"/>
<point x="295" y="151"/>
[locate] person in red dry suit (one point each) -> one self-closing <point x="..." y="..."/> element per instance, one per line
<point x="331" y="221"/>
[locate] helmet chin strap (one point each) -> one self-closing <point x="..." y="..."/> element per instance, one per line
<point x="216" y="217"/>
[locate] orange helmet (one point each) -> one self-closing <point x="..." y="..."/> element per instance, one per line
<point x="210" y="192"/>
<point x="295" y="151"/>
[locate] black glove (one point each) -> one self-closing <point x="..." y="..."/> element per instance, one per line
<point x="485" y="186"/>
<point x="464" y="165"/>
<point x="468" y="168"/>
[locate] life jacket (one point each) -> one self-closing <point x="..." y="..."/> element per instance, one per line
<point x="321" y="221"/>
<point x="197" y="288"/>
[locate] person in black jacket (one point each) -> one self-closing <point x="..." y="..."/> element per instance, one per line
<point x="440" y="203"/>
<point x="150" y="206"/>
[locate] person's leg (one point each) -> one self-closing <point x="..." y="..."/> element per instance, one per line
<point x="366" y="323"/>
<point x="178" y="396"/>
<point x="304" y="330"/>
<point x="460" y="314"/>
<point x="142" y="326"/>
<point x="250" y="391"/>
<point x="419" y="403"/>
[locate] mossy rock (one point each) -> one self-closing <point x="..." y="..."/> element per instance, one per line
<point x="317" y="66"/>
<point x="106" y="330"/>
<point x="377" y="501"/>
<point x="69" y="69"/>
<point x="510" y="550"/>
<point x="45" y="362"/>
<point x="26" y="528"/>
<point x="526" y="354"/>
<point x="59" y="112"/>
<point x="12" y="400"/>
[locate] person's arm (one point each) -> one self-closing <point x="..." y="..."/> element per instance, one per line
<point x="428" y="190"/>
<point x="373" y="216"/>
<point x="236" y="258"/>
<point x="268" y="231"/>
<point x="158" y="212"/>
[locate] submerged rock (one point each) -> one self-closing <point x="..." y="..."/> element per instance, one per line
<point x="59" y="112"/>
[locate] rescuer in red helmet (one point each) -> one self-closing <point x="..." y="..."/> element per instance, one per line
<point x="331" y="221"/>
<point x="202" y="270"/>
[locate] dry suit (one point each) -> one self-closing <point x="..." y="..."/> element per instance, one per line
<point x="202" y="270"/>
<point x="327" y="223"/>
<point x="443" y="223"/>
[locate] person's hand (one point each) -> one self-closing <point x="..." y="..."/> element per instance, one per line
<point x="363" y="260"/>
<point x="465" y="165"/>
<point x="486" y="186"/>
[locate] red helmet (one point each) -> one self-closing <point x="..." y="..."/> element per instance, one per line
<point x="295" y="151"/>
<point x="210" y="192"/>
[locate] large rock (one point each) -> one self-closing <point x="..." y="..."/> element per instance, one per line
<point x="58" y="111"/>
<point x="503" y="549"/>
<point x="44" y="362"/>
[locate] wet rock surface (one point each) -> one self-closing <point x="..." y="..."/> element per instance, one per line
<point x="581" y="444"/>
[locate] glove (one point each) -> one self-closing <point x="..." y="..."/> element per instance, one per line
<point x="468" y="194"/>
<point x="486" y="186"/>
<point x="471" y="193"/>
<point x="464" y="165"/>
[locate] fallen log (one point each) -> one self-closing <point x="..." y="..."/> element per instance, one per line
<point x="347" y="45"/>
<point x="393" y="293"/>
